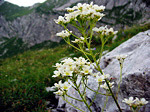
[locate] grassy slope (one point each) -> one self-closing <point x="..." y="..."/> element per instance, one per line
<point x="33" y="71"/>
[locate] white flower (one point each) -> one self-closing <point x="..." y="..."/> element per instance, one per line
<point x="82" y="38"/>
<point x="119" y="57"/>
<point x="81" y="61"/>
<point x="106" y="87"/>
<point x="86" y="70"/>
<point x="79" y="5"/>
<point x="67" y="73"/>
<point x="95" y="29"/>
<point x="68" y="61"/>
<point x="76" y="41"/>
<point x="64" y="34"/>
<point x="129" y="101"/>
<point x="57" y="73"/>
<point x="95" y="74"/>
<point x="58" y="85"/>
<point x="104" y="30"/>
<point x="60" y="20"/>
<point x="70" y="16"/>
<point x="106" y="76"/>
<point x="99" y="8"/>
<point x="59" y="92"/>
<point x="110" y="31"/>
<point x="50" y="89"/>
<point x="141" y="102"/>
<point x="58" y="65"/>
<point x="71" y="67"/>
<point x="100" y="78"/>
<point x="65" y="86"/>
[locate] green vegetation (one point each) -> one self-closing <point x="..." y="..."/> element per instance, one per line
<point x="12" y="46"/>
<point x="121" y="15"/>
<point x="11" y="11"/>
<point x="23" y="77"/>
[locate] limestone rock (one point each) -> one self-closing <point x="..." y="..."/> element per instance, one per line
<point x="136" y="76"/>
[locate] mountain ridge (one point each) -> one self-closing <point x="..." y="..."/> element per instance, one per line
<point x="37" y="25"/>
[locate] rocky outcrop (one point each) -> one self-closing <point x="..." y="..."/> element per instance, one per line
<point x="33" y="28"/>
<point x="136" y="76"/>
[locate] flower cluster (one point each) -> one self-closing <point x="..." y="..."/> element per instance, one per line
<point x="135" y="102"/>
<point x="121" y="58"/>
<point x="62" y="87"/>
<point x="84" y="11"/>
<point x="105" y="31"/>
<point x="70" y="67"/>
<point x="101" y="78"/>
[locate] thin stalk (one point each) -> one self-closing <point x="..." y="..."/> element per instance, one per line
<point x="85" y="54"/>
<point x="83" y="98"/>
<point x="95" y="95"/>
<point x="97" y="92"/>
<point x="119" y="80"/>
<point x="102" y="48"/>
<point x="76" y="47"/>
<point x="105" y="104"/>
<point x="101" y="53"/>
<point x="73" y="98"/>
<point x="84" y="88"/>
<point x="72" y="104"/>
<point x="80" y="83"/>
<point x="113" y="96"/>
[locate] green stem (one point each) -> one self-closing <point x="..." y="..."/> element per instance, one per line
<point x="82" y="97"/>
<point x="74" y="98"/>
<point x="85" y="55"/>
<point x="119" y="80"/>
<point x="84" y="90"/>
<point x="76" y="47"/>
<point x="113" y="95"/>
<point x="72" y="104"/>
<point x="97" y="92"/>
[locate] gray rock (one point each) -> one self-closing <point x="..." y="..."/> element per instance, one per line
<point x="136" y="76"/>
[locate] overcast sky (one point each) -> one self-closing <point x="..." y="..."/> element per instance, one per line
<point x="25" y="2"/>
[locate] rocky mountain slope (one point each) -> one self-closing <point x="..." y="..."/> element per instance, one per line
<point x="36" y="24"/>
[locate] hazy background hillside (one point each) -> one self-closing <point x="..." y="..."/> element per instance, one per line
<point x="24" y="27"/>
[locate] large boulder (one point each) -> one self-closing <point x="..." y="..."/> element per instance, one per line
<point x="136" y="76"/>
